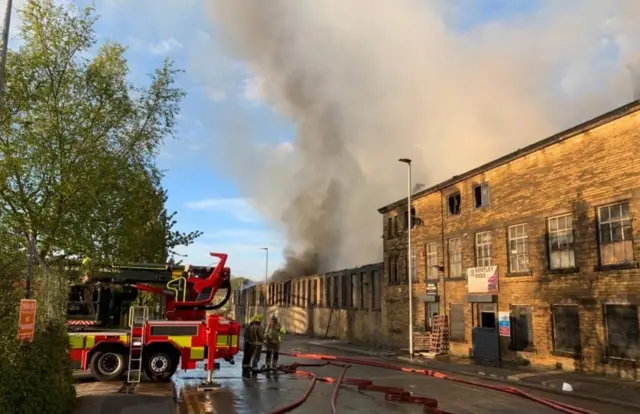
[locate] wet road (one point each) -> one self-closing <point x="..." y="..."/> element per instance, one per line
<point x="262" y="394"/>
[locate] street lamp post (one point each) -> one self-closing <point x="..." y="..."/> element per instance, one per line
<point x="409" y="261"/>
<point x="4" y="38"/>
<point x="266" y="279"/>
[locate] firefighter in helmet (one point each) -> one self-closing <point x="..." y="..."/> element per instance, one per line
<point x="273" y="336"/>
<point x="253" y="339"/>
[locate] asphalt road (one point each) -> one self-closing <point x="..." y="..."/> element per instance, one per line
<point x="262" y="394"/>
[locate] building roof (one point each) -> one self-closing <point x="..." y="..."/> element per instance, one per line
<point x="554" y="139"/>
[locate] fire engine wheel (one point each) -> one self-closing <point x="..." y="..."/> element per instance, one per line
<point x="107" y="366"/>
<point x="160" y="366"/>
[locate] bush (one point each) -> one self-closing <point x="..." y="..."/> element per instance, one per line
<point x="35" y="377"/>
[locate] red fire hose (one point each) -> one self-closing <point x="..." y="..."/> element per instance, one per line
<point x="393" y="393"/>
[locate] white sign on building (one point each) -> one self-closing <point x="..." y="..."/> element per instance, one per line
<point x="482" y="279"/>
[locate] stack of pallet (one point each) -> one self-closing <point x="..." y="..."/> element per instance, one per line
<point x="439" y="335"/>
<point x="421" y="341"/>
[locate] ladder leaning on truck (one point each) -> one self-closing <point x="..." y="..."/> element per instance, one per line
<point x="158" y="348"/>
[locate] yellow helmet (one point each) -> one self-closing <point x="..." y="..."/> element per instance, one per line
<point x="257" y="318"/>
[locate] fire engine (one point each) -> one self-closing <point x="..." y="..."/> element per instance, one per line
<point x="99" y="307"/>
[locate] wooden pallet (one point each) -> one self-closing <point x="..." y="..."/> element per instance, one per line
<point x="421" y="341"/>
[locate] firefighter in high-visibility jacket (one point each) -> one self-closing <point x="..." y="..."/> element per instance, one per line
<point x="273" y="336"/>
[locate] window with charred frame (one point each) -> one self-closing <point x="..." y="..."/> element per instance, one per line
<point x="364" y="282"/>
<point x="454" y="202"/>
<point x="287" y="293"/>
<point x="455" y="257"/>
<point x="394" y="275"/>
<point x="354" y="290"/>
<point x="481" y="195"/>
<point x="623" y="336"/>
<point x="327" y="292"/>
<point x="521" y="327"/>
<point x="457" y="323"/>
<point x="376" y="281"/>
<point x="336" y="291"/>
<point x="565" y="320"/>
<point x="615" y="234"/>
<point x="345" y="291"/>
<point x="396" y="227"/>
<point x="390" y="228"/>
<point x="414" y="222"/>
<point x="321" y="292"/>
<point x="560" y="236"/>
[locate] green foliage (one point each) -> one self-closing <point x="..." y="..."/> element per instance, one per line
<point x="78" y="143"/>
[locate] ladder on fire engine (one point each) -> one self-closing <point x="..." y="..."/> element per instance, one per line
<point x="138" y="316"/>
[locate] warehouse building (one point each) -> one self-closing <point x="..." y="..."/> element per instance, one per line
<point x="534" y="257"/>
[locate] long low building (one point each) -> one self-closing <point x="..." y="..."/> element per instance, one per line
<point x="533" y="258"/>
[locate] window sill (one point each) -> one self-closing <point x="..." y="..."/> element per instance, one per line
<point x="531" y="350"/>
<point x="567" y="354"/>
<point x="563" y="271"/>
<point x="453" y="216"/>
<point x="458" y="341"/>
<point x="455" y="279"/>
<point x="619" y="266"/>
<point x="519" y="274"/>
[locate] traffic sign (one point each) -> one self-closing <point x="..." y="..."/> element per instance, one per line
<point x="27" y="320"/>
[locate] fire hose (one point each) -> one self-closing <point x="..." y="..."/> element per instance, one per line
<point x="393" y="393"/>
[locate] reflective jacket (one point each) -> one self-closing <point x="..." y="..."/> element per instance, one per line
<point x="275" y="332"/>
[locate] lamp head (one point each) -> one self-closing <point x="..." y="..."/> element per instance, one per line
<point x="405" y="160"/>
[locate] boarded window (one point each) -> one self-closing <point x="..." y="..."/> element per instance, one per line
<point x="455" y="257"/>
<point x="457" y="321"/>
<point x="561" y="250"/>
<point x="616" y="237"/>
<point x="521" y="327"/>
<point x="376" y="281"/>
<point x="622" y="331"/>
<point x="566" y="329"/>
<point x="518" y="248"/>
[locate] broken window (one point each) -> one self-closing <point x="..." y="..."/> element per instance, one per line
<point x="481" y="195"/>
<point x="561" y="251"/>
<point x="414" y="220"/>
<point x="389" y="227"/>
<point x="345" y="291"/>
<point x="377" y="293"/>
<point x="454" y="204"/>
<point x="521" y="327"/>
<point x="364" y="296"/>
<point x="616" y="238"/>
<point x="354" y="290"/>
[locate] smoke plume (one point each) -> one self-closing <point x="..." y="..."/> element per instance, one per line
<point x="368" y="82"/>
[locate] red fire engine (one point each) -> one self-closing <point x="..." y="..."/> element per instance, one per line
<point x="153" y="347"/>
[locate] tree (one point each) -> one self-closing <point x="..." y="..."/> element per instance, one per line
<point x="78" y="143"/>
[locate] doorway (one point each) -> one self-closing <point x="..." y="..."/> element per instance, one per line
<point x="485" y="340"/>
<point x="430" y="310"/>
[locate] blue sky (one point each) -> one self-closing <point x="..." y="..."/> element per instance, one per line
<point x="207" y="199"/>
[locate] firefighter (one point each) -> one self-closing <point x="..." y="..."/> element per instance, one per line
<point x="253" y="338"/>
<point x="248" y="347"/>
<point x="273" y="336"/>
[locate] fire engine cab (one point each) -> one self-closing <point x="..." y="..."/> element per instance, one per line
<point x="109" y="335"/>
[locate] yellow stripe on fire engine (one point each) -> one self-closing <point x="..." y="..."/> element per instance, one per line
<point x="124" y="339"/>
<point x="183" y="341"/>
<point x="90" y="342"/>
<point x="234" y="341"/>
<point x="76" y="342"/>
<point x="197" y="352"/>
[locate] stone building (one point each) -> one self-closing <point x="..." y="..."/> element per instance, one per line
<point x="533" y="257"/>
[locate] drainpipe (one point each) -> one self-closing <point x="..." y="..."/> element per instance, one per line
<point x="444" y="284"/>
